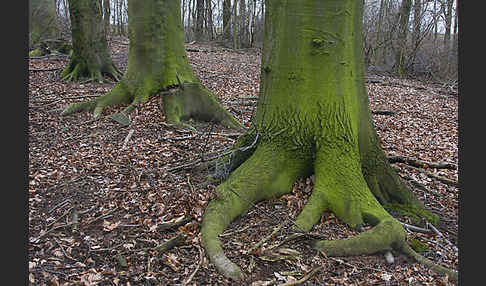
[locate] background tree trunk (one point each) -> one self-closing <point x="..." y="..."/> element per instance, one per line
<point x="106" y="16"/>
<point x="400" y="51"/>
<point x="91" y="57"/>
<point x="42" y="21"/>
<point x="199" y="32"/>
<point x="158" y="63"/>
<point x="226" y="20"/>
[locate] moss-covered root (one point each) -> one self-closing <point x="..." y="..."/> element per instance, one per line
<point x="269" y="172"/>
<point x="406" y="249"/>
<point x="195" y="101"/>
<point x="77" y="71"/>
<point x="118" y="95"/>
<point x="385" y="236"/>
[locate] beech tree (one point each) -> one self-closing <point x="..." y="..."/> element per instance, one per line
<point x="158" y="65"/>
<point x="42" y="21"/>
<point x="91" y="57"/>
<point x="313" y="117"/>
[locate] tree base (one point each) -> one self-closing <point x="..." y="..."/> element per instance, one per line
<point x="190" y="100"/>
<point x="77" y="71"/>
<point x="339" y="188"/>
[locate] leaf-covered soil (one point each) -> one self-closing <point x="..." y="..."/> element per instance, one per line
<point x="99" y="204"/>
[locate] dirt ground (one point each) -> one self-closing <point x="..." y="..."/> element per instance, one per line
<point x="100" y="202"/>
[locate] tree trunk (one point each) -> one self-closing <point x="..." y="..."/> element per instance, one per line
<point x="157" y="63"/>
<point x="106" y="16"/>
<point x="417" y="20"/>
<point x="235" y="26"/>
<point x="42" y="21"/>
<point x="401" y="49"/>
<point x="226" y="20"/>
<point x="313" y="117"/>
<point x="378" y="42"/>
<point x="448" y="23"/>
<point x="91" y="57"/>
<point x="199" y="33"/>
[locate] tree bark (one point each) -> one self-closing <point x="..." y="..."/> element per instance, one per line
<point x="42" y="21"/>
<point x="312" y="117"/>
<point x="226" y="20"/>
<point x="106" y="16"/>
<point x="158" y="64"/>
<point x="199" y="32"/>
<point x="401" y="49"/>
<point x="91" y="57"/>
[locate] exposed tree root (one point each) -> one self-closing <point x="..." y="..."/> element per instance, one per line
<point x="339" y="188"/>
<point x="189" y="100"/>
<point x="76" y="71"/>
<point x="276" y="169"/>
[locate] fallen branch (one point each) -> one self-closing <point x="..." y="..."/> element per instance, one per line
<point x="420" y="163"/>
<point x="434" y="176"/>
<point x="171" y="243"/>
<point x="173" y="225"/>
<point x="303" y="279"/>
<point x="43" y="70"/>
<point x="383" y="112"/>
<point x="415" y="228"/>
<point x="125" y="142"/>
<point x="261" y="242"/>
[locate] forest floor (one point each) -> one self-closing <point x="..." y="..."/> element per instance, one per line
<point x="99" y="204"/>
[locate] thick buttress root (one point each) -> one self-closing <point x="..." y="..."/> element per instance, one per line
<point x="193" y="100"/>
<point x="268" y="173"/>
<point x="76" y="71"/>
<point x="339" y="188"/>
<point x="190" y="100"/>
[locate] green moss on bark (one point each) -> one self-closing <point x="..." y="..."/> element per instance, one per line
<point x="157" y="62"/>
<point x="312" y="117"/>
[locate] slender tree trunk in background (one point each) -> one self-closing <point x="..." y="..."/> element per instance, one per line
<point x="235" y="25"/>
<point x="253" y="24"/>
<point x="378" y="43"/>
<point x="435" y="20"/>
<point x="106" y="16"/>
<point x="42" y="21"/>
<point x="158" y="63"/>
<point x="226" y="20"/>
<point x="199" y="33"/>
<point x="91" y="57"/>
<point x="417" y="19"/>
<point x="209" y="18"/>
<point x="243" y="28"/>
<point x="448" y="23"/>
<point x="400" y="52"/>
<point x="313" y="117"/>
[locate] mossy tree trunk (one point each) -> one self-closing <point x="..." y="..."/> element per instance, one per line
<point x="313" y="118"/>
<point x="91" y="57"/>
<point x="42" y="21"/>
<point x="158" y="65"/>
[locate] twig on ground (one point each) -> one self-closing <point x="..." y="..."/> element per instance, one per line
<point x="303" y="279"/>
<point x="265" y="239"/>
<point x="415" y="228"/>
<point x="197" y="267"/>
<point x="171" y="243"/>
<point x="101" y="216"/>
<point x="59" y="218"/>
<point x="421" y="164"/>
<point x="173" y="225"/>
<point x="125" y="142"/>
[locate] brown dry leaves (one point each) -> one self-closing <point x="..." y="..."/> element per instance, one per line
<point x="95" y="208"/>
